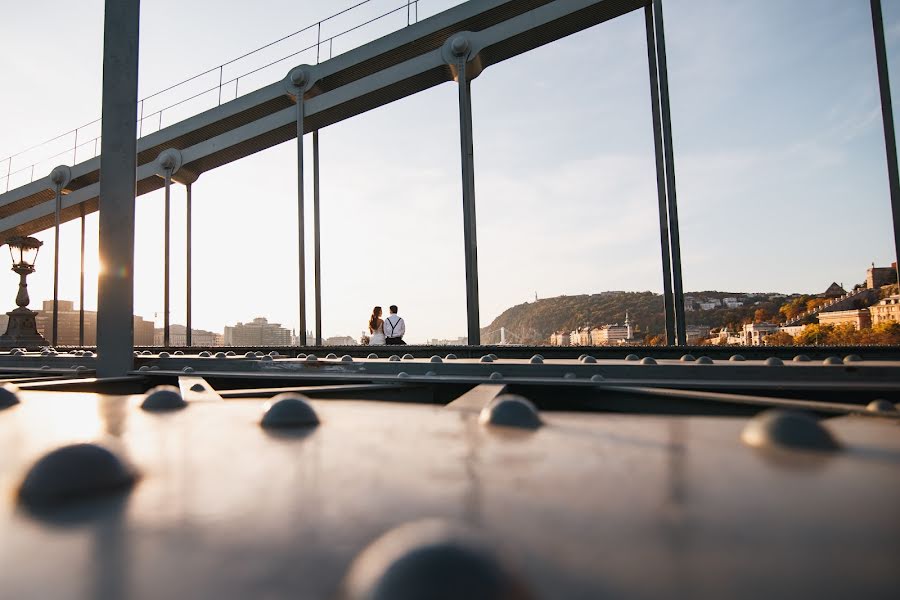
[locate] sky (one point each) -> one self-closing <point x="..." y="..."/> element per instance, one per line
<point x="779" y="161"/>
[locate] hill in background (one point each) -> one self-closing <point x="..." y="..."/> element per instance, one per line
<point x="534" y="322"/>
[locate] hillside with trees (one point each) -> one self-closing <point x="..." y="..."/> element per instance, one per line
<point x="535" y="322"/>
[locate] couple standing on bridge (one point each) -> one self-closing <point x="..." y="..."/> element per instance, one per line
<point x="386" y="331"/>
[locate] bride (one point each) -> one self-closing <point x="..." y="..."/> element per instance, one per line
<point x="376" y="328"/>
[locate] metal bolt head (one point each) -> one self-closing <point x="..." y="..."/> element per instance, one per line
<point x="394" y="358"/>
<point x="220" y="355"/>
<point x="301" y="355"/>
<point x="408" y="357"/>
<point x="430" y="559"/>
<point x="230" y="353"/>
<point x="852" y="358"/>
<point x="537" y="359"/>
<point x="179" y="353"/>
<point x="164" y="355"/>
<point x="459" y="46"/>
<point x="204" y="354"/>
<point x="633" y="357"/>
<point x="346" y="358"/>
<point x="487" y="358"/>
<point x="198" y="387"/>
<point x="450" y="356"/>
<point x="435" y="359"/>
<point x="188" y="369"/>
<point x="776" y="428"/>
<point x="330" y="356"/>
<point x="74" y="472"/>
<point x="774" y="361"/>
<point x="372" y="356"/>
<point x="832" y="360"/>
<point x="289" y="410"/>
<point x="510" y="410"/>
<point x="705" y="360"/>
<point x="495" y="375"/>
<point x="597" y="377"/>
<point x="737" y="358"/>
<point x="163" y="397"/>
<point x="298" y="77"/>
<point x="311" y="358"/>
<point x="588" y="359"/>
<point x="801" y="358"/>
<point x="687" y="358"/>
<point x="9" y="394"/>
<point x="402" y="375"/>
<point x="881" y="406"/>
<point x="648" y="360"/>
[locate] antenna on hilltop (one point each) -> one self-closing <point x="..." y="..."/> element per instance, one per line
<point x="535" y="296"/>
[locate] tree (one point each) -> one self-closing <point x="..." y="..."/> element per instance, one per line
<point x="779" y="338"/>
<point x="762" y="316"/>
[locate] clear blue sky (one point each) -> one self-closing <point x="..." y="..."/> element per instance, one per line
<point x="780" y="166"/>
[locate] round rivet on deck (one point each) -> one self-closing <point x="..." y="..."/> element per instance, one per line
<point x="416" y="560"/>
<point x="832" y="360"/>
<point x="881" y="406"/>
<point x="74" y="472"/>
<point x="330" y="356"/>
<point x="486" y="358"/>
<point x="311" y="358"/>
<point x="687" y="358"/>
<point x="737" y="358"/>
<point x="204" y="354"/>
<point x="346" y="358"/>
<point x="633" y="357"/>
<point x="801" y="358"/>
<point x="788" y="429"/>
<point x="510" y="410"/>
<point x="188" y="370"/>
<point x="163" y="397"/>
<point x="164" y="355"/>
<point x="597" y="377"/>
<point x="300" y="356"/>
<point x="537" y="359"/>
<point x="774" y="361"/>
<point x="496" y="375"/>
<point x="408" y="356"/>
<point x="394" y="358"/>
<point x="289" y="410"/>
<point x="852" y="358"/>
<point x="435" y="359"/>
<point x="450" y="356"/>
<point x="588" y="359"/>
<point x="647" y="360"/>
<point x="9" y="395"/>
<point x="372" y="356"/>
<point x="705" y="360"/>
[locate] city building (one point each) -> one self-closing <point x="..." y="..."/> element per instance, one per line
<point x="732" y="302"/>
<point x="834" y="291"/>
<point x="258" y="332"/>
<point x="886" y="311"/>
<point x="754" y="334"/>
<point x="877" y="277"/>
<point x="460" y="341"/>
<point x="580" y="337"/>
<point x="559" y="338"/>
<point x="608" y="335"/>
<point x="69" y="320"/>
<point x="708" y="305"/>
<point x="178" y="337"/>
<point x="695" y="333"/>
<point x="340" y="340"/>
<point x="858" y="317"/>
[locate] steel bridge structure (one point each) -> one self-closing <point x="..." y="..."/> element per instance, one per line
<point x="458" y="472"/>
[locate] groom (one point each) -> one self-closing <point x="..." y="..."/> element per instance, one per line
<point x="394" y="328"/>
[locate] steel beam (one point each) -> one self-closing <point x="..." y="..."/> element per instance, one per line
<point x="300" y="78"/>
<point x="81" y="289"/>
<point x="166" y="252"/>
<point x="187" y="332"/>
<point x="668" y="301"/>
<point x="666" y="113"/>
<point x="55" y="337"/>
<point x="887" y="118"/>
<point x="460" y="48"/>
<point x="115" y="301"/>
<point x="316" y="239"/>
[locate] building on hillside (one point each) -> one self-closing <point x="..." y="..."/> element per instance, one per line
<point x="460" y="341"/>
<point x="793" y="330"/>
<point x="755" y="333"/>
<point x="877" y="277"/>
<point x="834" y="291"/>
<point x="732" y="302"/>
<point x="695" y="333"/>
<point x="258" y="332"/>
<point x="178" y="337"/>
<point x="339" y="340"/>
<point x="859" y="318"/>
<point x="886" y="311"/>
<point x="580" y="337"/>
<point x="608" y="335"/>
<point x="726" y="338"/>
<point x="559" y="338"/>
<point x="708" y="305"/>
<point x="69" y="325"/>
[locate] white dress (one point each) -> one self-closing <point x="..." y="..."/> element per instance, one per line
<point x="377" y="338"/>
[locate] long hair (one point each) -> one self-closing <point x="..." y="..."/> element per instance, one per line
<point x="373" y="320"/>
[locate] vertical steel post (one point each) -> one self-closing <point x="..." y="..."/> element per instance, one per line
<point x="660" y="180"/>
<point x="166" y="245"/>
<point x="188" y="341"/>
<point x="115" y="301"/>
<point x="300" y="82"/>
<point x="55" y="338"/>
<point x="467" y="155"/>
<point x="81" y="287"/>
<point x="887" y="118"/>
<point x="316" y="239"/>
<point x="674" y="237"/>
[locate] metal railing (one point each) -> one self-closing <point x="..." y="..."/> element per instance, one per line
<point x="67" y="147"/>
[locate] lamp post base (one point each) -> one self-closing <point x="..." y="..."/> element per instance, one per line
<point x="21" y="332"/>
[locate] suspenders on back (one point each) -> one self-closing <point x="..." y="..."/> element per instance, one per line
<point x="393" y="325"/>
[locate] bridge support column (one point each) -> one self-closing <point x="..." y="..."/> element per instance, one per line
<point x="887" y="117"/>
<point x="458" y="52"/>
<point x="187" y="332"/>
<point x="668" y="297"/>
<point x="168" y="162"/>
<point x="299" y="82"/>
<point x="668" y="154"/>
<point x="115" y="298"/>
<point x="81" y="287"/>
<point x="60" y="176"/>
<point x="316" y="239"/>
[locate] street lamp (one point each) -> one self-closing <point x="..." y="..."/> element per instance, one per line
<point x="21" y="332"/>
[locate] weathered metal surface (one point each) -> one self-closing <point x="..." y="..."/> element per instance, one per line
<point x="590" y="505"/>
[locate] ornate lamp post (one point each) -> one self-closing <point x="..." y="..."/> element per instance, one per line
<point x="21" y="332"/>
